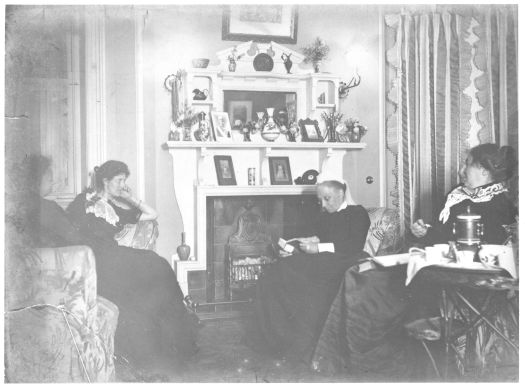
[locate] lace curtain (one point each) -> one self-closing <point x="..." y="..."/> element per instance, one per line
<point x="451" y="83"/>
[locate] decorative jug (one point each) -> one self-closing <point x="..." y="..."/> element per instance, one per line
<point x="183" y="250"/>
<point x="287" y="62"/>
<point x="200" y="95"/>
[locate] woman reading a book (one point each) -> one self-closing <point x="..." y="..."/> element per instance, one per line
<point x="295" y="293"/>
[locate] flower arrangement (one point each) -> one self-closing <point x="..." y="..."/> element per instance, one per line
<point x="331" y="121"/>
<point x="315" y="53"/>
<point x="355" y="129"/>
<point x="186" y="117"/>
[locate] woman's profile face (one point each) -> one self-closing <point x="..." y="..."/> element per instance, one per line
<point x="46" y="183"/>
<point x="329" y="198"/>
<point x="114" y="186"/>
<point x="473" y="175"/>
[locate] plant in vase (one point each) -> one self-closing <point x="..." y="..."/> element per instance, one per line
<point x="316" y="53"/>
<point x="331" y="121"/>
<point x="185" y="119"/>
<point x="355" y="130"/>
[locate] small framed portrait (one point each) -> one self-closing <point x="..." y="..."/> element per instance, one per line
<point x="240" y="110"/>
<point x="280" y="173"/>
<point x="222" y="131"/>
<point x="310" y="130"/>
<point x="224" y="169"/>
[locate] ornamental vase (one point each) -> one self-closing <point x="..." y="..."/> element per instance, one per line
<point x="183" y="251"/>
<point x="270" y="131"/>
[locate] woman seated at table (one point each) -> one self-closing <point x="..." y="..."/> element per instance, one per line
<point x="364" y="327"/>
<point x="483" y="189"/>
<point x="295" y="293"/>
<point x="154" y="326"/>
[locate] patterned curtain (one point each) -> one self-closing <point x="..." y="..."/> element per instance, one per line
<point x="451" y="83"/>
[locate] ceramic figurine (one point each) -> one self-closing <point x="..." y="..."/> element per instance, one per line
<point x="203" y="132"/>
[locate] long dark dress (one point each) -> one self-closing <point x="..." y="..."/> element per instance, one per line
<point x="294" y="295"/>
<point x="153" y="322"/>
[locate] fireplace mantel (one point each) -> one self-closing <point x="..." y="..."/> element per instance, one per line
<point x="195" y="179"/>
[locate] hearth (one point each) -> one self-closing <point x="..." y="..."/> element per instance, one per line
<point x="241" y="235"/>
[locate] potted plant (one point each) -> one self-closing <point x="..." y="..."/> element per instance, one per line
<point x="315" y="53"/>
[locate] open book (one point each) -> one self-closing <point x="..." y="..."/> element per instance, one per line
<point x="290" y="246"/>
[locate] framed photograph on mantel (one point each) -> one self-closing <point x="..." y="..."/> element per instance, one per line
<point x="222" y="131"/>
<point x="224" y="169"/>
<point x="310" y="130"/>
<point x="280" y="173"/>
<point x="260" y="23"/>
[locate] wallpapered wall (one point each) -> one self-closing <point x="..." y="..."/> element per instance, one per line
<point x="173" y="35"/>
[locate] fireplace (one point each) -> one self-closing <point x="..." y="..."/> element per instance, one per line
<point x="194" y="175"/>
<point x="284" y="216"/>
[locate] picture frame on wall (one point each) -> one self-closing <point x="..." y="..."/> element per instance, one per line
<point x="222" y="130"/>
<point x="224" y="169"/>
<point x="240" y="110"/>
<point x="310" y="131"/>
<point x="280" y="173"/>
<point x="260" y="23"/>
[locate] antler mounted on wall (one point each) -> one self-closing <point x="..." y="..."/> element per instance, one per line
<point x="344" y="87"/>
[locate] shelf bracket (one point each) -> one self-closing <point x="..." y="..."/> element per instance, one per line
<point x="265" y="165"/>
<point x="204" y="161"/>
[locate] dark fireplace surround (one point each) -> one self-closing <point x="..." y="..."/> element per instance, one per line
<point x="285" y="216"/>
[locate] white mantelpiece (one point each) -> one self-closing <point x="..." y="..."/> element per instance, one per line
<point x="195" y="179"/>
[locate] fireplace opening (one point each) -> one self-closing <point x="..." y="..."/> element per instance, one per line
<point x="242" y="232"/>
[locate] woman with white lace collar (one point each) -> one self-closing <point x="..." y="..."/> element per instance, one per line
<point x="111" y="195"/>
<point x="483" y="189"/>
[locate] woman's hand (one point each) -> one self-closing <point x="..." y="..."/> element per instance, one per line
<point x="126" y="195"/>
<point x="309" y="248"/>
<point x="148" y="213"/>
<point x="419" y="228"/>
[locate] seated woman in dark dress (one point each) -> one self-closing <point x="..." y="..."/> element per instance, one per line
<point x="363" y="330"/>
<point x="295" y="293"/>
<point x="154" y="326"/>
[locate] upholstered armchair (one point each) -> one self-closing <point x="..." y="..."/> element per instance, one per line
<point x="57" y="329"/>
<point x="384" y="235"/>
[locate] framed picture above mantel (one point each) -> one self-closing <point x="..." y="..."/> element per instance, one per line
<point x="260" y="23"/>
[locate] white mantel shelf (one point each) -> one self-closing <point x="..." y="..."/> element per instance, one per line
<point x="271" y="145"/>
<point x="255" y="190"/>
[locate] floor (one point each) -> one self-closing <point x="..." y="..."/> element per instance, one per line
<point x="225" y="357"/>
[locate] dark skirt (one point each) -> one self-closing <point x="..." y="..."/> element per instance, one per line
<point x="153" y="322"/>
<point x="363" y="330"/>
<point x="292" y="301"/>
